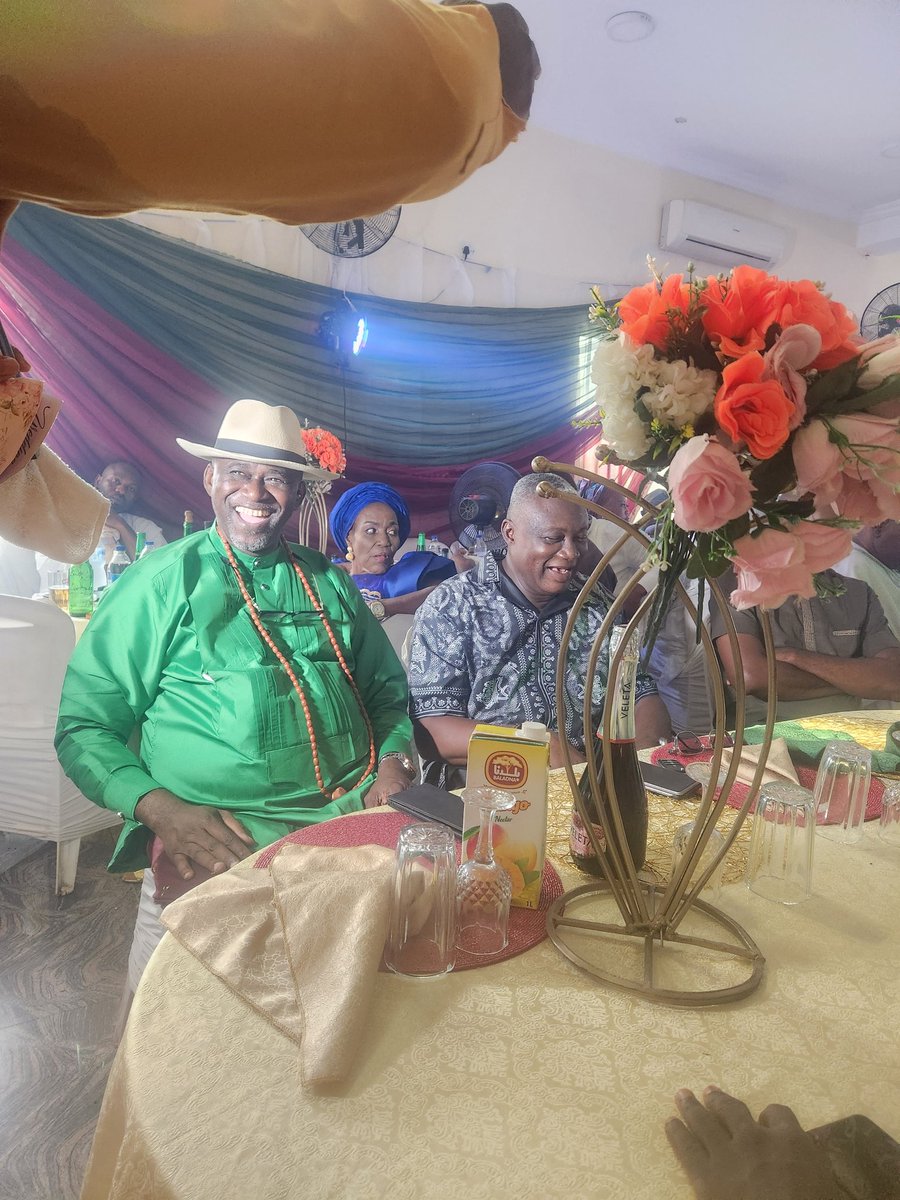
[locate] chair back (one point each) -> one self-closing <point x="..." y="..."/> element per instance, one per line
<point x="36" y="798"/>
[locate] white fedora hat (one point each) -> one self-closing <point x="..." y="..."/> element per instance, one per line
<point x="252" y="431"/>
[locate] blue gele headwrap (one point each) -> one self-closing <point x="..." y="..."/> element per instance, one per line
<point x="355" y="500"/>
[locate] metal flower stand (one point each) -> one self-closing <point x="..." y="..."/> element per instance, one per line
<point x="312" y="509"/>
<point x="661" y="941"/>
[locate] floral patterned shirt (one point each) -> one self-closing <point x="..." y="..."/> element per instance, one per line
<point x="481" y="650"/>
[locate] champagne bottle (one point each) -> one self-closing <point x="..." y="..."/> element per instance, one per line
<point x="188" y="522"/>
<point x="626" y="770"/>
<point x="81" y="589"/>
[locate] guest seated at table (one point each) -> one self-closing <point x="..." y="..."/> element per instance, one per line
<point x="120" y="482"/>
<point x="266" y="696"/>
<point x="726" y="1155"/>
<point x="485" y="644"/>
<point x="833" y="652"/>
<point x="875" y="558"/>
<point x="369" y="524"/>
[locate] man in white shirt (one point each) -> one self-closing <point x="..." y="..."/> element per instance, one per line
<point x="120" y="483"/>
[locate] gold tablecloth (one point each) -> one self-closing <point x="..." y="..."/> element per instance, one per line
<point x="524" y="1079"/>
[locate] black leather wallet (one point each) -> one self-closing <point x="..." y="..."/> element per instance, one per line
<point x="430" y="803"/>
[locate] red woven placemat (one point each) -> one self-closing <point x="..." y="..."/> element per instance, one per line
<point x="805" y="775"/>
<point x="527" y="926"/>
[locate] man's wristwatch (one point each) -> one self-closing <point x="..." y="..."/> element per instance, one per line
<point x="404" y="760"/>
<point x="376" y="608"/>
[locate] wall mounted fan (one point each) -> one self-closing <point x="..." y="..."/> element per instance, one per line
<point x="478" y="504"/>
<point x="882" y="315"/>
<point x="355" y="238"/>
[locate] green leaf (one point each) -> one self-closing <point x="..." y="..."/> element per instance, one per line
<point x="832" y="386"/>
<point x="530" y="876"/>
<point x="774" y="475"/>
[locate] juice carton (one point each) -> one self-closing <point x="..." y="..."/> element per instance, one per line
<point x="516" y="761"/>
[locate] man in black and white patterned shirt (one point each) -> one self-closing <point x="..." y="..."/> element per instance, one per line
<point x="485" y="644"/>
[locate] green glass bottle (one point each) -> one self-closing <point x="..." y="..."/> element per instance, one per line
<point x="188" y="522"/>
<point x="420" y="542"/>
<point x="81" y="589"/>
<point x="140" y="539"/>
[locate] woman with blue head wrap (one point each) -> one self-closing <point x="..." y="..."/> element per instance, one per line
<point x="369" y="524"/>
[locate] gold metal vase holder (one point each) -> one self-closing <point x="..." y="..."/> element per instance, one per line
<point x="657" y="940"/>
<point x="312" y="510"/>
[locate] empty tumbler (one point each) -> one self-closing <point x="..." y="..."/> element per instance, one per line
<point x="842" y="789"/>
<point x="781" y="845"/>
<point x="422" y="933"/>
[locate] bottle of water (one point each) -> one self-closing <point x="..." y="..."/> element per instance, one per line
<point x="479" y="550"/>
<point x="148" y="548"/>
<point x="435" y="546"/>
<point x="117" y="563"/>
<point x="98" y="565"/>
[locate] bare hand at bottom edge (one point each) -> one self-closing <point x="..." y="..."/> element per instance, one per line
<point x="726" y="1155"/>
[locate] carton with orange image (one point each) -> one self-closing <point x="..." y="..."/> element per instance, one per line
<point x="512" y="761"/>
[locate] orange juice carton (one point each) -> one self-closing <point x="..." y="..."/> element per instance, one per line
<point x="516" y="762"/>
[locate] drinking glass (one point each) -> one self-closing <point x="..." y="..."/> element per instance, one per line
<point x="422" y="933"/>
<point x="781" y="846"/>
<point x="841" y="790"/>
<point x="483" y="886"/>
<point x="889" y="825"/>
<point x="710" y="851"/>
<point x="58" y="587"/>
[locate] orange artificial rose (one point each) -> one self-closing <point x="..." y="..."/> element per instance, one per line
<point x="752" y="410"/>
<point x="738" y="312"/>
<point x="644" y="311"/>
<point x="801" y="302"/>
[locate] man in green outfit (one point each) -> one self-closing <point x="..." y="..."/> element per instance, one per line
<point x="266" y="695"/>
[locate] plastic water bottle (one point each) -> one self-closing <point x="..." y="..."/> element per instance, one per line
<point x="117" y="563"/>
<point x="148" y="548"/>
<point x="98" y="566"/>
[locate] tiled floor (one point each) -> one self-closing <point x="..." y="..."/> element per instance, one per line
<point x="62" y="973"/>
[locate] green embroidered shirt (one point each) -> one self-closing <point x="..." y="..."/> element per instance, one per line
<point x="171" y="686"/>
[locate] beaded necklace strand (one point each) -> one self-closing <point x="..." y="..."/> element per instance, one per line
<point x="252" y="608"/>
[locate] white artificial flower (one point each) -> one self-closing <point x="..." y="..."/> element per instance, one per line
<point x="626" y="433"/>
<point x="620" y="369"/>
<point x="682" y="393"/>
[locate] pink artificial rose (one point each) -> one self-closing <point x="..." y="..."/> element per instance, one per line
<point x="795" y="349"/>
<point x="770" y="568"/>
<point x="707" y="486"/>
<point x="881" y="358"/>
<point x="817" y="462"/>
<point x="823" y="545"/>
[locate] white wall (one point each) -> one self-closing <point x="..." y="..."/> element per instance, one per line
<point x="545" y="221"/>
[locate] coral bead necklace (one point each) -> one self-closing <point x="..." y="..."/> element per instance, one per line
<point x="253" y="610"/>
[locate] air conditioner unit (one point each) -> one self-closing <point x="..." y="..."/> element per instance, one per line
<point x="714" y="235"/>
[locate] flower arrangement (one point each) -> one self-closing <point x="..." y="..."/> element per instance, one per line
<point x="325" y="449"/>
<point x="773" y="426"/>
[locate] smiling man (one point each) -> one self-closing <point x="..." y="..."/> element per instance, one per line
<point x="266" y="695"/>
<point x="485" y="644"/>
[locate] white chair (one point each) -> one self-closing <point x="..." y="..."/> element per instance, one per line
<point x="397" y="627"/>
<point x="36" y="798"/>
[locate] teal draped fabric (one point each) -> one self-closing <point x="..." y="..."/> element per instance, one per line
<point x="146" y="338"/>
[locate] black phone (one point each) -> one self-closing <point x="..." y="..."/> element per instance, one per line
<point x="431" y="803"/>
<point x="669" y="781"/>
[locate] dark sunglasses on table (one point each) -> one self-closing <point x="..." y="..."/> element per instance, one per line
<point x="687" y="743"/>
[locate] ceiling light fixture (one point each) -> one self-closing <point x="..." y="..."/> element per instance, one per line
<point x="630" y="26"/>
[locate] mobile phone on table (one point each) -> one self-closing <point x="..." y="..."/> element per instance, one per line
<point x="430" y="803"/>
<point x="669" y="781"/>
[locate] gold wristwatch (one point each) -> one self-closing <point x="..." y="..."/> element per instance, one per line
<point x="376" y="608"/>
<point x="404" y="760"/>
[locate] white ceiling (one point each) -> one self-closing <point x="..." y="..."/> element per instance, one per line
<point x="791" y="100"/>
